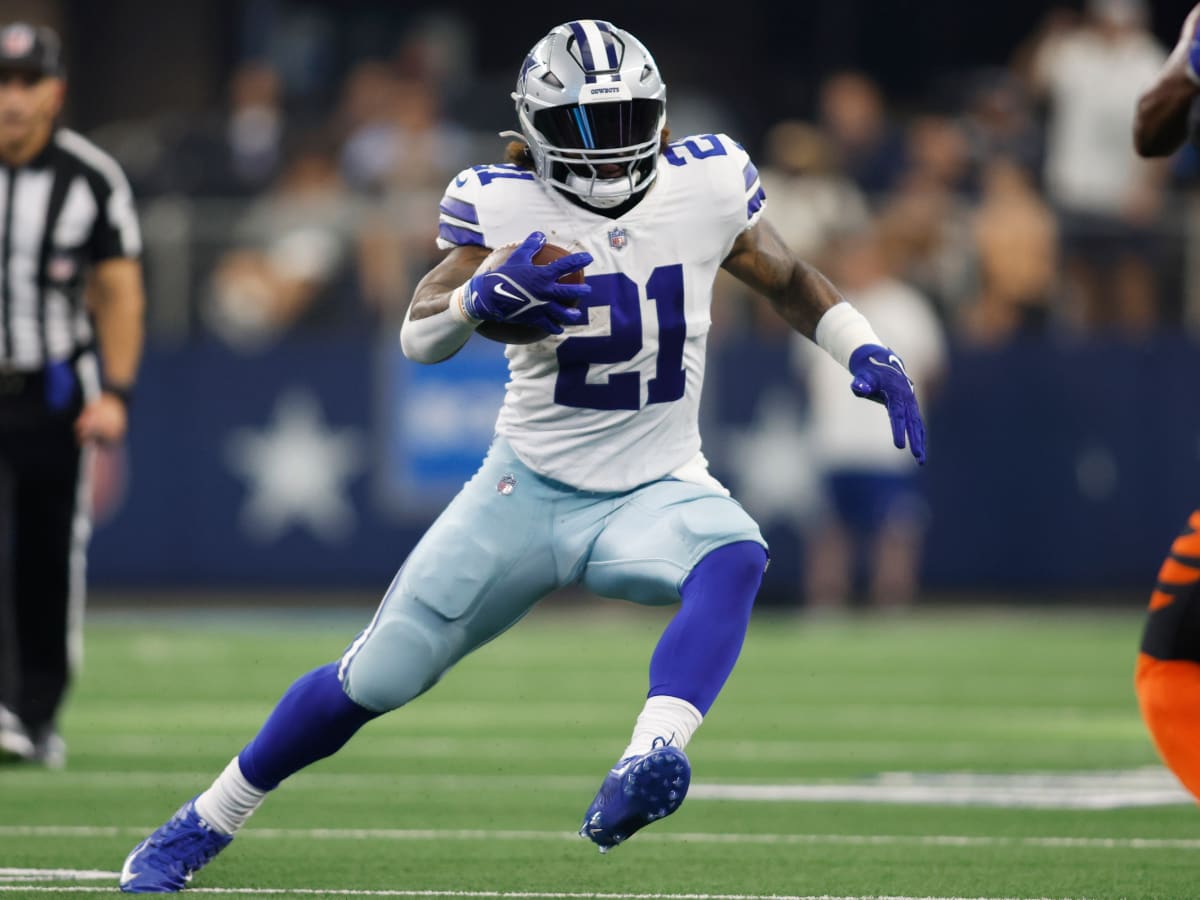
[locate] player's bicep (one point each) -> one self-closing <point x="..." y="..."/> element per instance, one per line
<point x="762" y="261"/>
<point x="433" y="291"/>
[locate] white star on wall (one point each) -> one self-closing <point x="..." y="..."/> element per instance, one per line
<point x="772" y="462"/>
<point x="298" y="471"/>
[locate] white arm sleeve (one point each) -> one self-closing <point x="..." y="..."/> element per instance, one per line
<point x="437" y="337"/>
<point x="842" y="330"/>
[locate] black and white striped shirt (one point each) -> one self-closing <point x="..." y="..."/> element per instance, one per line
<point x="62" y="212"/>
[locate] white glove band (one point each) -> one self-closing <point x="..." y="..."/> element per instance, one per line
<point x="437" y="337"/>
<point x="842" y="330"/>
<point x="458" y="306"/>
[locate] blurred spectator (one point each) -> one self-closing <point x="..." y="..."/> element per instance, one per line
<point x="869" y="147"/>
<point x="238" y="153"/>
<point x="437" y="49"/>
<point x="999" y="122"/>
<point x="1091" y="71"/>
<point x="939" y="154"/>
<point x="394" y="133"/>
<point x="874" y="517"/>
<point x="924" y="225"/>
<point x="293" y="259"/>
<point x="810" y="198"/>
<point x="1016" y="239"/>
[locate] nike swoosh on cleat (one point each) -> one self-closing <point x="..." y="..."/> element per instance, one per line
<point x="621" y="770"/>
<point x="127" y="873"/>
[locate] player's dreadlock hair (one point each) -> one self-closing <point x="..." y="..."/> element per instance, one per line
<point x="517" y="152"/>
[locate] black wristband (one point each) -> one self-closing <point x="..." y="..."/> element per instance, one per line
<point x="124" y="394"/>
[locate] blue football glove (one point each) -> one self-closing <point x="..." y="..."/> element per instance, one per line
<point x="524" y="292"/>
<point x="1193" y="54"/>
<point x="879" y="375"/>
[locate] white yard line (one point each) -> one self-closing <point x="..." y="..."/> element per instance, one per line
<point x="1151" y="786"/>
<point x="8" y="875"/>
<point x="430" y="834"/>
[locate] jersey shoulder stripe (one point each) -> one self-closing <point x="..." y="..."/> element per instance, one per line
<point x="755" y="194"/>
<point x="726" y="167"/>
<point x="476" y="200"/>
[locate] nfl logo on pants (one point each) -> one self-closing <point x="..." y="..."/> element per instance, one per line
<point x="617" y="239"/>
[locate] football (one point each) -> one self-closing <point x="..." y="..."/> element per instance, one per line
<point x="512" y="332"/>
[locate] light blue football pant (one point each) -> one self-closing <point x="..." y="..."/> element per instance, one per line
<point x="491" y="555"/>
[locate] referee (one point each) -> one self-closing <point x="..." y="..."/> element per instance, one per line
<point x="69" y="279"/>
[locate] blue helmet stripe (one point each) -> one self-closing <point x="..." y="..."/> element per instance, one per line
<point x="585" y="49"/>
<point x="609" y="43"/>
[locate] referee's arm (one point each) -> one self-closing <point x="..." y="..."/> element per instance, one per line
<point x="118" y="301"/>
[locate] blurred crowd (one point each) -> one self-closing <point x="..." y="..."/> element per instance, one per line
<point x="1015" y="206"/>
<point x="1010" y="206"/>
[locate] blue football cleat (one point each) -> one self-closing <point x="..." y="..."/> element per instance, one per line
<point x="639" y="790"/>
<point x="165" y="862"/>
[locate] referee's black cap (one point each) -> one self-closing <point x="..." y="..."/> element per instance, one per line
<point x="30" y="48"/>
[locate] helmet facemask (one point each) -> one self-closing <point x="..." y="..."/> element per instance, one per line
<point x="592" y="132"/>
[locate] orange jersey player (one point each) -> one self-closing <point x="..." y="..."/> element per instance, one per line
<point x="1168" y="666"/>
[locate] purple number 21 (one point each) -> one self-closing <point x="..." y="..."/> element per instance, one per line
<point x="622" y="390"/>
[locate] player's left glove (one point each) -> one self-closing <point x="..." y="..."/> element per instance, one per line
<point x="879" y="375"/>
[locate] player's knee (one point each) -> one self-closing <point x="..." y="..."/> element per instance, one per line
<point x="738" y="566"/>
<point x="745" y="561"/>
<point x="398" y="663"/>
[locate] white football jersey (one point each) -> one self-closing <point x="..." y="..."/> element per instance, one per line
<point x="614" y="403"/>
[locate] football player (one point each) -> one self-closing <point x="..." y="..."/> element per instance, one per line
<point x="1161" y="124"/>
<point x="1167" y="677"/>
<point x="595" y="476"/>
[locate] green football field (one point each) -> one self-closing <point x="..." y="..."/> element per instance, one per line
<point x="961" y="755"/>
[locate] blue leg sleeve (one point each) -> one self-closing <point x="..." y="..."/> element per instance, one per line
<point x="313" y="719"/>
<point x="699" y="647"/>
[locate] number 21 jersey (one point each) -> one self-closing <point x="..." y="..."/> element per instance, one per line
<point x="614" y="402"/>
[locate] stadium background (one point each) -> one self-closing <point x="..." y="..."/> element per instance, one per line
<point x="280" y="443"/>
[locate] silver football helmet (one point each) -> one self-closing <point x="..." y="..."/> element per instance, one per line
<point x="592" y="105"/>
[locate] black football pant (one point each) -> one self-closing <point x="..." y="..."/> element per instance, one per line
<point x="44" y="526"/>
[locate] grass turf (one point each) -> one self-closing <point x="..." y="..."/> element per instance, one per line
<point x="479" y="785"/>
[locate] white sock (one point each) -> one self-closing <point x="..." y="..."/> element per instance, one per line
<point x="229" y="802"/>
<point x="664" y="721"/>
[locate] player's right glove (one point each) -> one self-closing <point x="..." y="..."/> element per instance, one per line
<point x="1191" y="34"/>
<point x="879" y="375"/>
<point x="521" y="291"/>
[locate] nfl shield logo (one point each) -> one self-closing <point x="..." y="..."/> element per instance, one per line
<point x="617" y="239"/>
